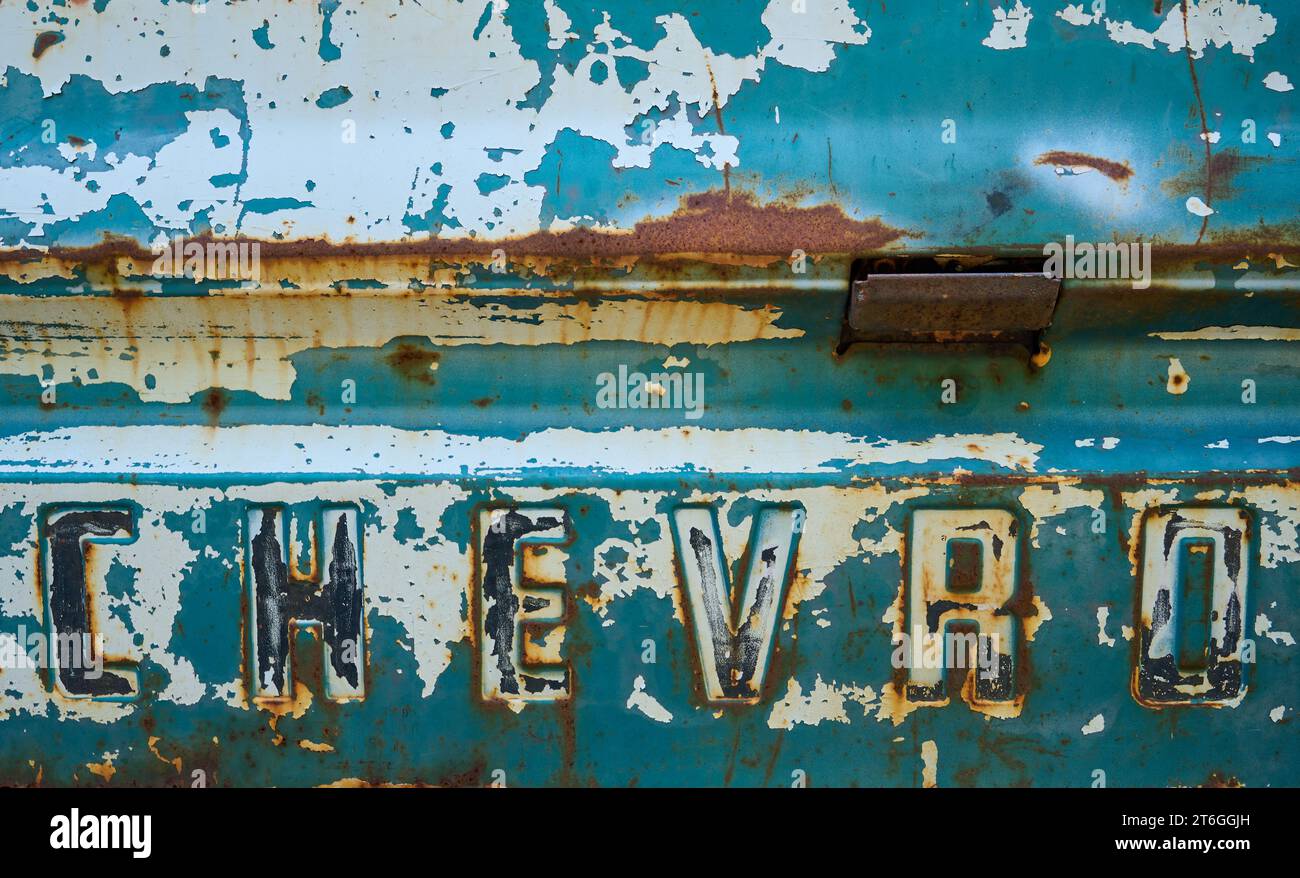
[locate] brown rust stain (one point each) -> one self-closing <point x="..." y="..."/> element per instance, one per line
<point x="413" y="362"/>
<point x="1218" y="174"/>
<point x="214" y="403"/>
<point x="44" y="40"/>
<point x="715" y="221"/>
<point x="1120" y="172"/>
<point x="722" y="129"/>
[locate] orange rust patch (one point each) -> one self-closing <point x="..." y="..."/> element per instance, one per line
<point x="103" y="769"/>
<point x="1217" y="780"/>
<point x="153" y="748"/>
<point x="1117" y="171"/>
<point x="715" y="221"/>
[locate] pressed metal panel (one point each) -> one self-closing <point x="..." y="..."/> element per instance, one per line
<point x="463" y="393"/>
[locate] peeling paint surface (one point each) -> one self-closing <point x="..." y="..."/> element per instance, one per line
<point x="231" y="123"/>
<point x="399" y="419"/>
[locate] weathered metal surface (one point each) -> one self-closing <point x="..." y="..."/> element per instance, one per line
<point x="452" y="479"/>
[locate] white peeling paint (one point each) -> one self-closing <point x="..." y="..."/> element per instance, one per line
<point x="684" y="77"/>
<point x="646" y="703"/>
<point x="557" y="26"/>
<point x="1197" y="206"/>
<point x="1277" y="713"/>
<point x="1241" y="24"/>
<point x="1010" y="27"/>
<point x="1094" y="725"/>
<point x="1232" y="333"/>
<point x="825" y="701"/>
<point x="1264" y="628"/>
<point x="1103" y="615"/>
<point x="929" y="764"/>
<point x="1278" y="82"/>
<point x="1279" y="521"/>
<point x="1043" y="502"/>
<point x="372" y="450"/>
<point x="806" y="37"/>
<point x="1073" y="14"/>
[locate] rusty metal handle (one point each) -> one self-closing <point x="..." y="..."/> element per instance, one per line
<point x="951" y="307"/>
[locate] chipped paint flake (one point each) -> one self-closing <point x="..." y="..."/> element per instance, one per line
<point x="105" y="768"/>
<point x="685" y="82"/>
<point x="1178" y="378"/>
<point x="1237" y="332"/>
<point x="1264" y="628"/>
<point x="1042" y="614"/>
<point x="1277" y="81"/>
<point x="1010" y="27"/>
<point x="825" y="701"/>
<point x="1103" y="615"/>
<point x="320" y="449"/>
<point x="646" y="703"/>
<point x="1241" y="24"/>
<point x="1094" y="725"/>
<point x="1073" y="14"/>
<point x="929" y="764"/>
<point x="1043" y="502"/>
<point x="1279" y="524"/>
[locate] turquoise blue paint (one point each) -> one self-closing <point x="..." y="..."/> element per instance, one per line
<point x="332" y="97"/>
<point x="489" y="183"/>
<point x="328" y="50"/>
<point x="596" y="739"/>
<point x="261" y="36"/>
<point x="433" y="219"/>
<point x="865" y="135"/>
<point x="483" y="19"/>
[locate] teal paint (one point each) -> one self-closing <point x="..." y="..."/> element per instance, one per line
<point x="864" y="135"/>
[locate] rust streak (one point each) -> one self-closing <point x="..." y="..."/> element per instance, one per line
<point x="1205" y="128"/>
<point x="711" y="222"/>
<point x="722" y="129"/>
<point x="1120" y="172"/>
